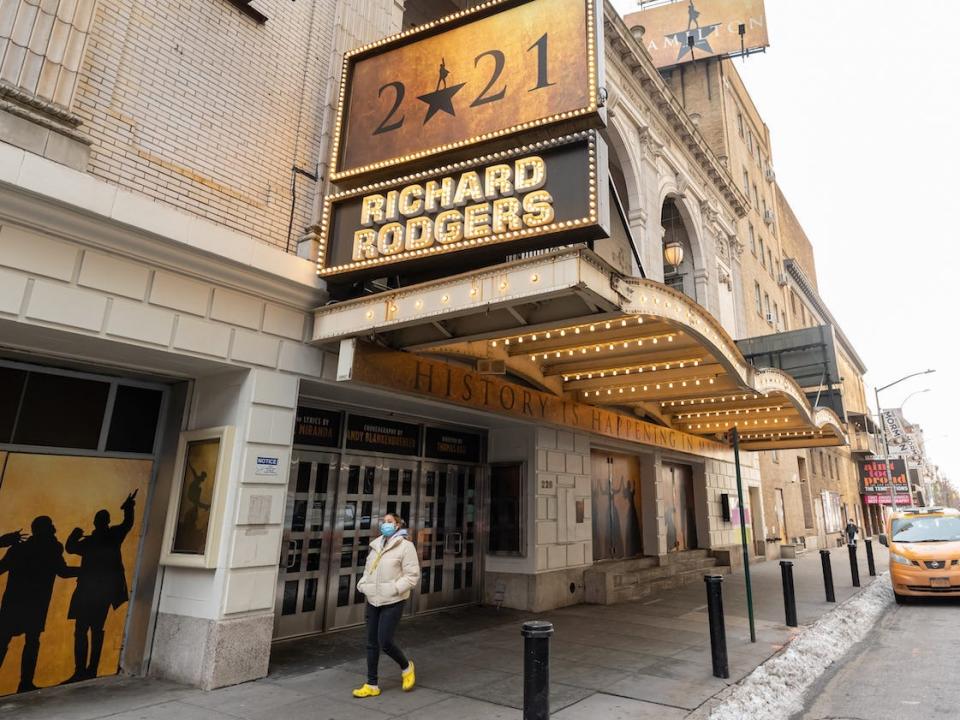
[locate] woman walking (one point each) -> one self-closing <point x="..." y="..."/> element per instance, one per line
<point x="391" y="572"/>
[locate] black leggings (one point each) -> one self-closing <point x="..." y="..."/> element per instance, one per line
<point x="381" y="623"/>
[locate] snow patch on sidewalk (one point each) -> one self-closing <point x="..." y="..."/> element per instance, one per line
<point x="775" y="690"/>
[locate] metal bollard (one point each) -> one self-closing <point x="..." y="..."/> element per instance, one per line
<point x="827" y="575"/>
<point x="718" y="633"/>
<point x="870" y="564"/>
<point x="789" y="597"/>
<point x="536" y="669"/>
<point x="854" y="568"/>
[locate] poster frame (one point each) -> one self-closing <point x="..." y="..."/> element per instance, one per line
<point x="208" y="560"/>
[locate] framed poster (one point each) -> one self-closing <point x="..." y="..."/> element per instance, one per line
<point x="192" y="534"/>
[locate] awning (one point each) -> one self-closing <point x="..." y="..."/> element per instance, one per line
<point x="567" y="323"/>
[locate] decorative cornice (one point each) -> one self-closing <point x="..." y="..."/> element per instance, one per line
<point x="636" y="59"/>
<point x="47" y="215"/>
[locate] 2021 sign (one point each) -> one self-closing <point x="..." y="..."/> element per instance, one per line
<point x="503" y="68"/>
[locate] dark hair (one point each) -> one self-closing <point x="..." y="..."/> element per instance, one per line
<point x="401" y="523"/>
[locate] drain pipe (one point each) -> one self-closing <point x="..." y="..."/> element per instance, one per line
<point x="294" y="171"/>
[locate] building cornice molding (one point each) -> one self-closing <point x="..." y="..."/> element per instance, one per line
<point x="637" y="61"/>
<point x="242" y="263"/>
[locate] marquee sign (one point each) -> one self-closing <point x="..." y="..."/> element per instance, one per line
<point x="412" y="374"/>
<point x="502" y="67"/>
<point x="690" y="30"/>
<point x="534" y="196"/>
<point x="873" y="476"/>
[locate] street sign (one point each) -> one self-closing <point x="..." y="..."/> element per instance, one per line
<point x="500" y="68"/>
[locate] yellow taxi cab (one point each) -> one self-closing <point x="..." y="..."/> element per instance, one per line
<point x="924" y="552"/>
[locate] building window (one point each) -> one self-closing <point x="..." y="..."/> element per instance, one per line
<point x="753" y="239"/>
<point x="793" y="303"/>
<point x="746" y="183"/>
<point x="756" y="197"/>
<point x="770" y="261"/>
<point x="766" y="305"/>
<point x="506" y="508"/>
<point x="831" y="512"/>
<point x="776" y="315"/>
<point x="750" y="142"/>
<point x="775" y="456"/>
<point x="763" y="254"/>
<point x="756" y="297"/>
<point x="740" y="123"/>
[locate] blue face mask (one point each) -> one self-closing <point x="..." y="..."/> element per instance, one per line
<point x="388" y="528"/>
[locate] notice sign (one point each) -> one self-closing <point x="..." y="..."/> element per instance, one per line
<point x="386" y="436"/>
<point x="443" y="444"/>
<point x="496" y="69"/>
<point x="681" y="32"/>
<point x="543" y="194"/>
<point x="317" y="427"/>
<point x="873" y="476"/>
<point x="267" y="466"/>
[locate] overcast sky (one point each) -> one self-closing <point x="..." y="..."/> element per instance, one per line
<point x="862" y="98"/>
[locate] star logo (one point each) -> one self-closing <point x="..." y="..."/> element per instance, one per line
<point x="700" y="42"/>
<point x="440" y="100"/>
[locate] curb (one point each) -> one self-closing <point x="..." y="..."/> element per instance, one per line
<point x="775" y="689"/>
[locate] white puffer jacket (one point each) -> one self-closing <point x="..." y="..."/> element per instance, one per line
<point x="391" y="572"/>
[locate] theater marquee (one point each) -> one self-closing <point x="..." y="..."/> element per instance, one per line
<point x="502" y="67"/>
<point x="530" y="197"/>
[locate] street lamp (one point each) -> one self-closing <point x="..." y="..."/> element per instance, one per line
<point x="915" y="392"/>
<point x="673" y="253"/>
<point x="883" y="432"/>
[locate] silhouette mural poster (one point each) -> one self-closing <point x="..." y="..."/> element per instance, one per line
<point x="69" y="535"/>
<point x="196" y="496"/>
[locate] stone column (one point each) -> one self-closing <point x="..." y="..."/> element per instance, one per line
<point x="652" y="505"/>
<point x="214" y="627"/>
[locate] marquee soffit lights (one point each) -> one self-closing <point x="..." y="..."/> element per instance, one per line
<point x="431" y="28"/>
<point x="628" y="369"/>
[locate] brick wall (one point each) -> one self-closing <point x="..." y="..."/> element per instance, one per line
<point x="200" y="106"/>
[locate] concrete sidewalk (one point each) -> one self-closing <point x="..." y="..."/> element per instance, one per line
<point x="649" y="659"/>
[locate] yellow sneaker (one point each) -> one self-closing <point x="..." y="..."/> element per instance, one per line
<point x="365" y="691"/>
<point x="409" y="677"/>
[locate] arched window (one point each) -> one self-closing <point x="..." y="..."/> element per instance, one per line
<point x="677" y="251"/>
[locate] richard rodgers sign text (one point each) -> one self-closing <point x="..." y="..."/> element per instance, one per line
<point x="471" y="206"/>
<point x="540" y="195"/>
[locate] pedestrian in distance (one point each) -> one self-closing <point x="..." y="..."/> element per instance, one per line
<point x="391" y="572"/>
<point x="851" y="531"/>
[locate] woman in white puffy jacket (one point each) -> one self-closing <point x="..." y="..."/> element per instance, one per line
<point x="391" y="572"/>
